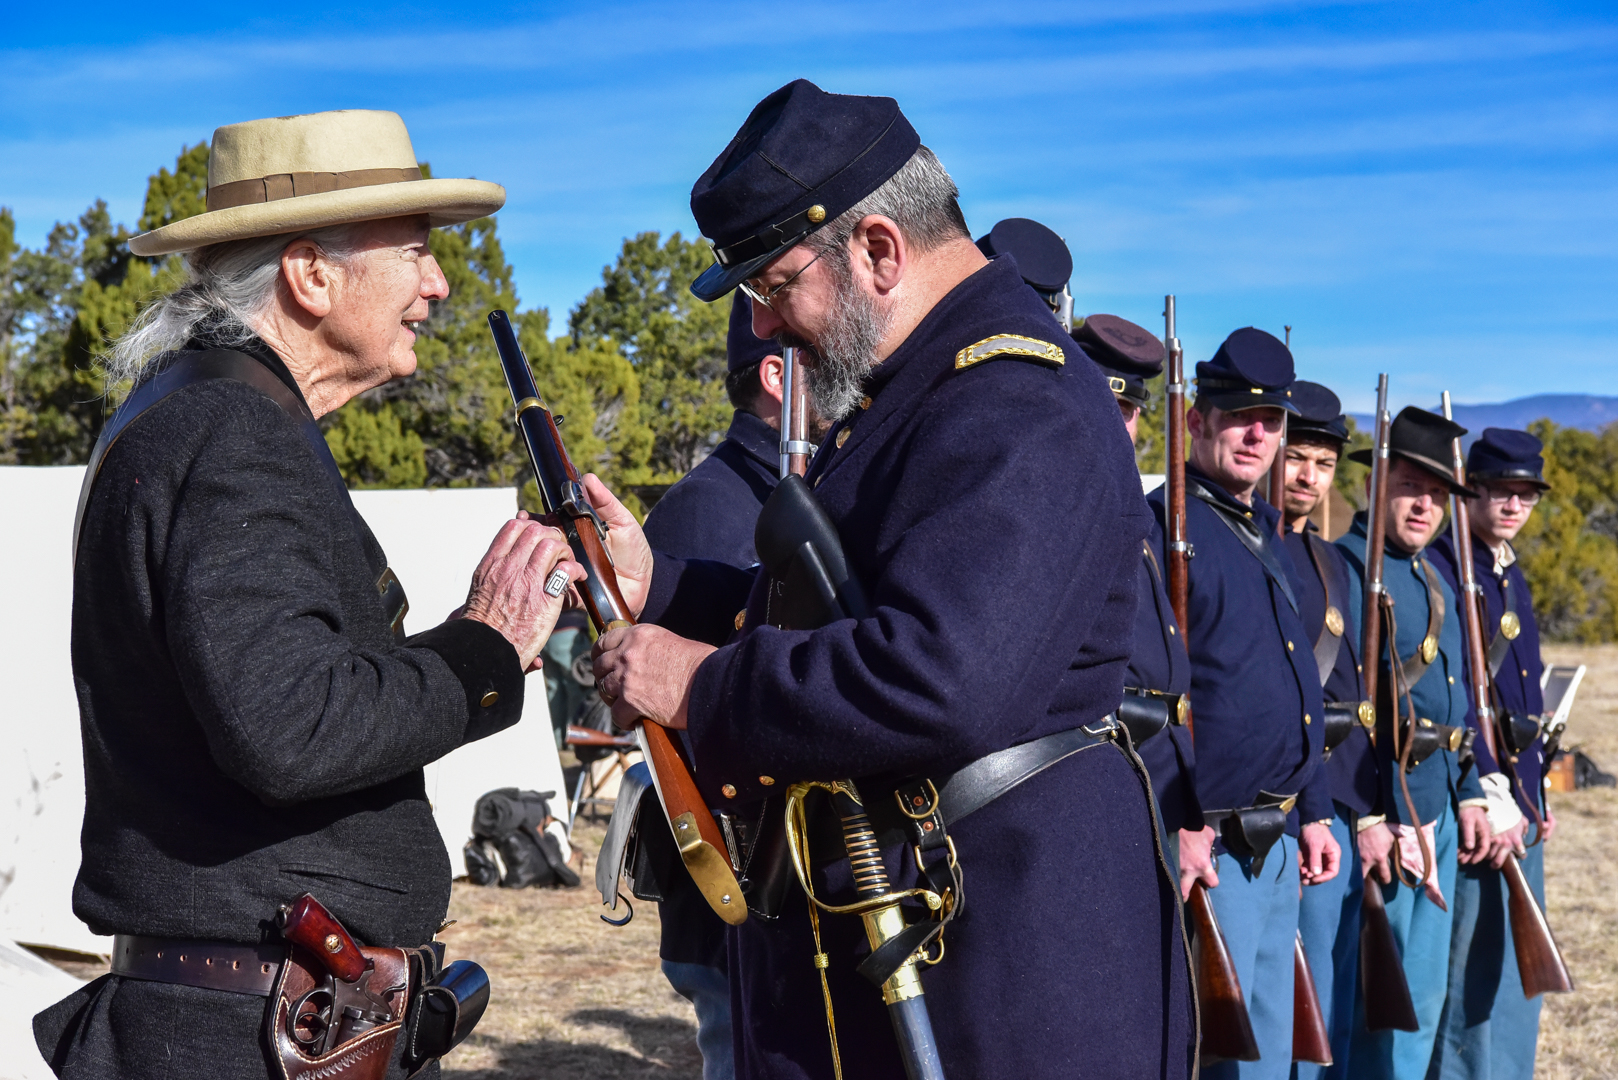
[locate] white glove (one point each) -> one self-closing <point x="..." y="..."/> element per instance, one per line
<point x="1503" y="810"/>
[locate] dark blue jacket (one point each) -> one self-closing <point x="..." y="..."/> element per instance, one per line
<point x="1439" y="695"/>
<point x="1351" y="769"/>
<point x="1255" y="692"/>
<point x="1158" y="661"/>
<point x="1003" y="597"/>
<point x="1517" y="681"/>
<point x="710" y="512"/>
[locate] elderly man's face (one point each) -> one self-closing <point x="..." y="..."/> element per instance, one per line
<point x="383" y="290"/>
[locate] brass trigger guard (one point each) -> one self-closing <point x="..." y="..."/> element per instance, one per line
<point x="798" y="846"/>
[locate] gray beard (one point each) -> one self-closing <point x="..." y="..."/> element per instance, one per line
<point x="846" y="351"/>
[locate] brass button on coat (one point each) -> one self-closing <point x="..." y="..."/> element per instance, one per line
<point x="741" y="617"/>
<point x="489" y="699"/>
<point x="728" y="791"/>
<point x="767" y="781"/>
<point x="842" y="437"/>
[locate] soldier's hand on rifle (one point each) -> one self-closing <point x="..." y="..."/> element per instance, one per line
<point x="509" y="586"/>
<point x="1376" y="844"/>
<point x="646" y="672"/>
<point x="626" y="543"/>
<point x="1506" y="843"/>
<point x="1475" y="833"/>
<point x="1550" y="825"/>
<point x="1319" y="854"/>
<point x="1196" y="860"/>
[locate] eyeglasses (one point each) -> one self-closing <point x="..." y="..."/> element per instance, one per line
<point x="1501" y="497"/>
<point x="767" y="297"/>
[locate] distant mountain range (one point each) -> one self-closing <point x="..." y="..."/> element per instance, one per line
<point x="1591" y="412"/>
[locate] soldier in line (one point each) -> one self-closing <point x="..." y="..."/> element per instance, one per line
<point x="1448" y="801"/>
<point x="1489" y="1030"/>
<point x="1255" y="690"/>
<point x="1159" y="667"/>
<point x="1329" y="913"/>
<point x="710" y="514"/>
<point x="1003" y="611"/>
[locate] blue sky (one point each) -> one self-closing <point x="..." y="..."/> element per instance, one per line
<point x="1428" y="189"/>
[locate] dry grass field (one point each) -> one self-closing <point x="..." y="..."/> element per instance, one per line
<point x="575" y="999"/>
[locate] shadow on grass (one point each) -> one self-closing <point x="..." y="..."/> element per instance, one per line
<point x="667" y="1050"/>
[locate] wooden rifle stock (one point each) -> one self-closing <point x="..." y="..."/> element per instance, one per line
<point x="1310" y="1040"/>
<point x="1376" y="523"/>
<point x="1227" y="1031"/>
<point x="1382" y="970"/>
<point x="1539" y="961"/>
<point x="696" y="833"/>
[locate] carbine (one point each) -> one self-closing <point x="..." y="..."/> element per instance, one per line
<point x="696" y="833"/>
<point x="1539" y="961"/>
<point x="1227" y="1030"/>
<point x="1388" y="1005"/>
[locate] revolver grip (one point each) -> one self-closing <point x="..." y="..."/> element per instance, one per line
<point x="306" y="922"/>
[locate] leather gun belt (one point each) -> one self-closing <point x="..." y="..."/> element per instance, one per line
<point x="211" y="965"/>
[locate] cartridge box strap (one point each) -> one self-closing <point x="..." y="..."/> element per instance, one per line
<point x="1510" y="626"/>
<point x="1416" y="665"/>
<point x="1330" y="641"/>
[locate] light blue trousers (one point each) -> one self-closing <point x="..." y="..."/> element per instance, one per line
<point x="1489" y="1031"/>
<point x="708" y="989"/>
<point x="1259" y="917"/>
<point x="1422" y="932"/>
<point x="1329" y="920"/>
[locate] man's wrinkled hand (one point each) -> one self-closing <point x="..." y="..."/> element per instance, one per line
<point x="1474" y="840"/>
<point x="645" y="672"/>
<point x="1196" y="861"/>
<point x="626" y="543"/>
<point x="508" y="587"/>
<point x="1376" y="844"/>
<point x="1507" y="843"/>
<point x="1319" y="854"/>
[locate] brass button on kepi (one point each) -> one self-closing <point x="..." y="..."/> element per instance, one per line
<point x="767" y="781"/>
<point x="842" y="437"/>
<point x="489" y="699"/>
<point x="816" y="214"/>
<point x="728" y="791"/>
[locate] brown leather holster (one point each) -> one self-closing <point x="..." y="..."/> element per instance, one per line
<point x="366" y="1045"/>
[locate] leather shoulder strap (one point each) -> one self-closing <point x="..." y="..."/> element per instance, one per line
<point x="1416" y="666"/>
<point x="188" y="369"/>
<point x="1330" y="641"/>
<point x="1249" y="534"/>
<point x="1510" y="627"/>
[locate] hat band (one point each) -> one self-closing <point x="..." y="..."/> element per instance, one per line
<point x="1206" y="383"/>
<point x="1505" y="474"/>
<point x="280" y="186"/>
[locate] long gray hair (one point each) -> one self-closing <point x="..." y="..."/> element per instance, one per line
<point x="228" y="289"/>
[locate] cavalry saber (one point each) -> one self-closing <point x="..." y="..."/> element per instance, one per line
<point x="1225" y="1029"/>
<point x="696" y="833"/>
<point x="1539" y="960"/>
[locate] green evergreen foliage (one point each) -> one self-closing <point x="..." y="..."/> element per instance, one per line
<point x="676" y="343"/>
<point x="1569" y="548"/>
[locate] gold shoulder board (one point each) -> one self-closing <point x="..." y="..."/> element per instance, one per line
<point x="1041" y="352"/>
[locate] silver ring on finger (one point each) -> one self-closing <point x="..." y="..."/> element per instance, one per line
<point x="556" y="584"/>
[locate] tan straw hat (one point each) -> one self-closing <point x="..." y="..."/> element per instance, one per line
<point x="295" y="173"/>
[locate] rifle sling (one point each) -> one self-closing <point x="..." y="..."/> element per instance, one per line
<point x="1330" y="642"/>
<point x="1252" y="537"/>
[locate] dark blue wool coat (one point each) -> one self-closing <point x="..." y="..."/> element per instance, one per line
<point x="1253" y="676"/>
<point x="1351" y="770"/>
<point x="1519" y="674"/>
<point x="1004" y="600"/>
<point x="710" y="512"/>
<point x="1439" y="695"/>
<point x="1158" y="661"/>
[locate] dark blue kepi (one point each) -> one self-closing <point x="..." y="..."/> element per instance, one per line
<point x="1252" y="369"/>
<point x="802" y="158"/>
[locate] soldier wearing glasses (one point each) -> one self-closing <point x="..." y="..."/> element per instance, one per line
<point x="1003" y="609"/>
<point x="1489" y="1029"/>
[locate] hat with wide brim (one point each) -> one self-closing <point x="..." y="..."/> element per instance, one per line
<point x="1424" y="439"/>
<point x="297" y="173"/>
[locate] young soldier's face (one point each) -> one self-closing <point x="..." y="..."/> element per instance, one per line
<point x="1416" y="501"/>
<point x="1311" y="467"/>
<point x="1502" y="508"/>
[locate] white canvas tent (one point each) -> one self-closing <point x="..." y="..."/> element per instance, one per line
<point x="433" y="540"/>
